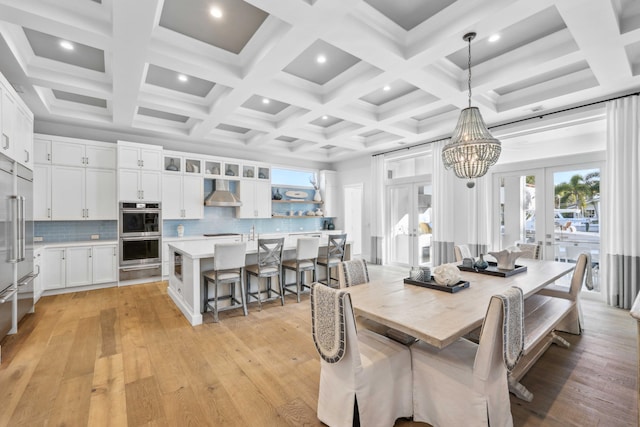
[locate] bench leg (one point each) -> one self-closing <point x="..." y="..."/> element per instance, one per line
<point x="557" y="339"/>
<point x="519" y="390"/>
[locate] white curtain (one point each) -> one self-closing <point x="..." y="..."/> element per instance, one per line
<point x="620" y="230"/>
<point x="377" y="209"/>
<point x="479" y="220"/>
<point x="442" y="208"/>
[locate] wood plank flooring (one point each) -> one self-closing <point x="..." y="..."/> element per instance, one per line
<point x="127" y="357"/>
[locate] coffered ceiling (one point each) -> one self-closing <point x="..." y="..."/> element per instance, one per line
<point x="317" y="79"/>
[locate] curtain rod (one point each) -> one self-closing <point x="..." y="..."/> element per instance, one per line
<point x="539" y="116"/>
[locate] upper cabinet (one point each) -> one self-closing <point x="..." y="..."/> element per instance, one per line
<point x="132" y="155"/>
<point x="139" y="172"/>
<point x="16" y="124"/>
<point x="81" y="154"/>
<point x="74" y="179"/>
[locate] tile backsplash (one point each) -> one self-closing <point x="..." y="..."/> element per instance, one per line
<point x="74" y="231"/>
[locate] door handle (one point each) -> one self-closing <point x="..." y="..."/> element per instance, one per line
<point x="5" y="142"/>
<point x="48" y="212"/>
<point x="27" y="158"/>
<point x="7" y="296"/>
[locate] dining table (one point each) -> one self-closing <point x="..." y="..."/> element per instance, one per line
<point x="439" y="318"/>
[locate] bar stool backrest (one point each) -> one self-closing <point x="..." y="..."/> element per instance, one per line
<point x="228" y="256"/>
<point x="307" y="248"/>
<point x="270" y="252"/>
<point x="336" y="246"/>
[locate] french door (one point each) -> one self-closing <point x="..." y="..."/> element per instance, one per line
<point x="555" y="207"/>
<point x="409" y="224"/>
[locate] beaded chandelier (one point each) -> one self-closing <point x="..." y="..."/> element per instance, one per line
<point x="472" y="150"/>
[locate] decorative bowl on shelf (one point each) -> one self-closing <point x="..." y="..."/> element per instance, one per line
<point x="291" y="194"/>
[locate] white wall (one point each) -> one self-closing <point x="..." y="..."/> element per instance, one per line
<point x="562" y="145"/>
<point x="356" y="171"/>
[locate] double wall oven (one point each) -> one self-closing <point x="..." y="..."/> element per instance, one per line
<point x="140" y="240"/>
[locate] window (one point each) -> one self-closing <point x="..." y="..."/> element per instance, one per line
<point x="292" y="177"/>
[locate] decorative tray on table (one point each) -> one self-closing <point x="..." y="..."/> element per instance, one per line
<point x="433" y="285"/>
<point x="493" y="270"/>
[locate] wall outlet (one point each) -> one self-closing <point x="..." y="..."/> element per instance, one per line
<point x="38" y="238"/>
<point x="95" y="237"/>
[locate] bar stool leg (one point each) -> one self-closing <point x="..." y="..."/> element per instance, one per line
<point x="215" y="301"/>
<point x="244" y="299"/>
<point x="299" y="281"/>
<point x="205" y="299"/>
<point x="281" y="286"/>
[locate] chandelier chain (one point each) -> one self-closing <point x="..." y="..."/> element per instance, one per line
<point x="469" y="68"/>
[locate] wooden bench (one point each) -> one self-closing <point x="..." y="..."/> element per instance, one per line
<point x="542" y="315"/>
<point x="551" y="309"/>
<point x="635" y="313"/>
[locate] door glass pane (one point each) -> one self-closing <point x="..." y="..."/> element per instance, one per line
<point x="400" y="234"/>
<point x="517" y="210"/>
<point x="424" y="224"/>
<point x="576" y="217"/>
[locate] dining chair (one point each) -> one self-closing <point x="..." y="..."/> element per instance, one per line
<point x="363" y="376"/>
<point x="530" y="250"/>
<point x="461" y="252"/>
<point x="335" y="255"/>
<point x="574" y="322"/>
<point x="306" y="260"/>
<point x="228" y="269"/>
<point x="353" y="272"/>
<point x="268" y="266"/>
<point x="466" y="383"/>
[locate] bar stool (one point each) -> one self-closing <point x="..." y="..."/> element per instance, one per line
<point x="269" y="265"/>
<point x="335" y="255"/>
<point x="306" y="258"/>
<point x="228" y="264"/>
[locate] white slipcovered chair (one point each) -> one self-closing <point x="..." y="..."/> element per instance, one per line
<point x="461" y="252"/>
<point x="465" y="384"/>
<point x="358" y="369"/>
<point x="573" y="323"/>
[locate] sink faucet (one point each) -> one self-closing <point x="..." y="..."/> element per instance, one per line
<point x="252" y="233"/>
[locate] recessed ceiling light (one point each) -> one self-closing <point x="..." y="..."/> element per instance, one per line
<point x="386" y="88"/>
<point x="325" y="117"/>
<point x="321" y="59"/>
<point x="265" y="100"/>
<point x="216" y="12"/>
<point x="494" y="38"/>
<point x="182" y="77"/>
<point x="66" y="45"/>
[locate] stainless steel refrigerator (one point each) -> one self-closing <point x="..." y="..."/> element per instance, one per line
<point x="16" y="244"/>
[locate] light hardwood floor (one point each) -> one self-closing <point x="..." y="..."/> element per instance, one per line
<point x="126" y="356"/>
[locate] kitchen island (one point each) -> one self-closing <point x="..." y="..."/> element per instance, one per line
<point x="189" y="259"/>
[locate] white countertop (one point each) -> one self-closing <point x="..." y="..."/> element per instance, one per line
<point x="204" y="248"/>
<point x="42" y="245"/>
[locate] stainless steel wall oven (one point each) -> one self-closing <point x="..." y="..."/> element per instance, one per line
<point x="140" y="230"/>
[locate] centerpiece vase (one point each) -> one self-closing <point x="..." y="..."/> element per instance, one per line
<point x="316" y="196"/>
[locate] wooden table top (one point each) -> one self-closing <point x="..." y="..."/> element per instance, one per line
<point x="439" y="318"/>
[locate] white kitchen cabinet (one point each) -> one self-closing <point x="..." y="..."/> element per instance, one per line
<point x="68" y="193"/>
<point x="329" y="191"/>
<point x="139" y="156"/>
<point x="54" y="268"/>
<point x="255" y="196"/>
<point x="139" y="172"/>
<point x="42" y="150"/>
<point x="80" y="153"/>
<point x="79" y="266"/>
<point x="41" y="192"/>
<point x="182" y="196"/>
<point x="82" y="194"/>
<point x="7" y="143"/>
<point x="100" y="194"/>
<point x="71" y="266"/>
<point x="135" y="185"/>
<point x="105" y="263"/>
<point x="23" y="153"/>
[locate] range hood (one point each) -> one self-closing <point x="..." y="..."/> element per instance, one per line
<point x="221" y="196"/>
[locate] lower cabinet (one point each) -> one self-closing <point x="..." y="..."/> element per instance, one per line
<point x="66" y="267"/>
